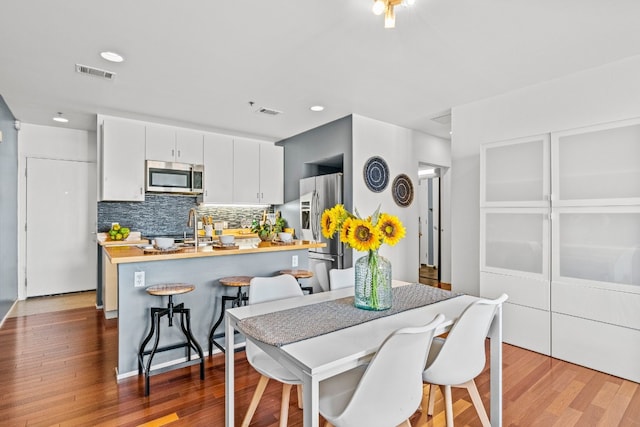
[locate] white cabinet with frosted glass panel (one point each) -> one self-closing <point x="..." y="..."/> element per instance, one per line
<point x="597" y="166"/>
<point x="515" y="173"/>
<point x="596" y="247"/>
<point x="514" y="259"/>
<point x="514" y="228"/>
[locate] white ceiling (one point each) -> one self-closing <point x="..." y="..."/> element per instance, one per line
<point x="199" y="62"/>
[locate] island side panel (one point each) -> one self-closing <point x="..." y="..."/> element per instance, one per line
<point x="204" y="301"/>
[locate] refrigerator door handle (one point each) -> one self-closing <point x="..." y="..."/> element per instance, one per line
<point x="320" y="257"/>
<point x="315" y="225"/>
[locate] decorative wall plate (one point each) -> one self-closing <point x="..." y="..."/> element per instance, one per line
<point x="376" y="174"/>
<point x="402" y="189"/>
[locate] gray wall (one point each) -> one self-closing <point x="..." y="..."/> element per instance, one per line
<point x="8" y="210"/>
<point x="316" y="152"/>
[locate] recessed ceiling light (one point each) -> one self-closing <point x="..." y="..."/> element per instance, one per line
<point x="316" y="108"/>
<point x="112" y="56"/>
<point x="60" y="119"/>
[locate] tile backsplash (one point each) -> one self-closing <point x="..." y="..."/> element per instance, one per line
<point x="167" y="214"/>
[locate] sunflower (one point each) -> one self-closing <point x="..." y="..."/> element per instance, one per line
<point x="345" y="230"/>
<point x="329" y="223"/>
<point x="363" y="236"/>
<point x="391" y="229"/>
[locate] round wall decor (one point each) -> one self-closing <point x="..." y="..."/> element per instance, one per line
<point x="402" y="189"/>
<point x="376" y="174"/>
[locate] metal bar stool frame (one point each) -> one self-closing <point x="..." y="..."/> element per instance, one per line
<point x="240" y="299"/>
<point x="185" y="319"/>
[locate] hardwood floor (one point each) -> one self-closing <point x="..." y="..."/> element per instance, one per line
<point x="57" y="368"/>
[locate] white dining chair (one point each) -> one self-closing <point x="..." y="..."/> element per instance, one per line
<point x="263" y="289"/>
<point x="341" y="278"/>
<point x="458" y="359"/>
<point x="323" y="276"/>
<point x="387" y="391"/>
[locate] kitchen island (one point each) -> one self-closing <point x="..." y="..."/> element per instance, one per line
<point x="202" y="267"/>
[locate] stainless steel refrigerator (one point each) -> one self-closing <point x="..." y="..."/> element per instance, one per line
<point x="318" y="193"/>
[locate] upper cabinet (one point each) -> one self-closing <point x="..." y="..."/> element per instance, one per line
<point x="258" y="172"/>
<point x="121" y="150"/>
<point x="271" y="174"/>
<point x="218" y="168"/>
<point x="170" y="144"/>
<point x="515" y="173"/>
<point x="597" y="165"/>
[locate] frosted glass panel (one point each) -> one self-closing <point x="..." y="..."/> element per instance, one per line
<point x="515" y="172"/>
<point x="600" y="246"/>
<point x="514" y="241"/>
<point x="600" y="165"/>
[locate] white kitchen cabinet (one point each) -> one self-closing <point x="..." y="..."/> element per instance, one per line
<point x="218" y="168"/>
<point x="515" y="173"/>
<point x="170" y="144"/>
<point x="121" y="150"/>
<point x="271" y="174"/>
<point x="258" y="172"/>
<point x="597" y="165"/>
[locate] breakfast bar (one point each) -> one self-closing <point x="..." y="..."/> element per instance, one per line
<point x="198" y="266"/>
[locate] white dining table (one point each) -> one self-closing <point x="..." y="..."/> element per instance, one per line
<point x="324" y="356"/>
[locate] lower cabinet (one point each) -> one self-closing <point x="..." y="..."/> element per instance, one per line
<point x="526" y="314"/>
<point x="597" y="345"/>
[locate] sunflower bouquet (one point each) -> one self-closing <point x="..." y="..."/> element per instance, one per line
<point x="372" y="272"/>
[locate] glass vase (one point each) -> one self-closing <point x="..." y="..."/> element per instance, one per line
<point x="373" y="282"/>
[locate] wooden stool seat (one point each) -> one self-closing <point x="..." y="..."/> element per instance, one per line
<point x="169" y="289"/>
<point x="300" y="274"/>
<point x="238" y="300"/>
<point x="236" y="281"/>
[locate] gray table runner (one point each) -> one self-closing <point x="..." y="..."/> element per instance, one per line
<point x="299" y="323"/>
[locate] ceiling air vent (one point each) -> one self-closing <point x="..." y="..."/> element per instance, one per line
<point x="96" y="72"/>
<point x="444" y="117"/>
<point x="268" y="111"/>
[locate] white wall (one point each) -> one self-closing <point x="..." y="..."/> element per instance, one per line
<point x="46" y="142"/>
<point x="402" y="149"/>
<point x="599" y="95"/>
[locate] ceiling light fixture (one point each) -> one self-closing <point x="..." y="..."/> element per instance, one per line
<point x="60" y="119"/>
<point x="316" y="108"/>
<point x="112" y="56"/>
<point x="387" y="7"/>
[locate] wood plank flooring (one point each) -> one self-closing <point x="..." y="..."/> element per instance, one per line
<point x="57" y="369"/>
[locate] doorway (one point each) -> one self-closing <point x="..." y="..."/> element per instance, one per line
<point x="60" y="232"/>
<point x="429" y="228"/>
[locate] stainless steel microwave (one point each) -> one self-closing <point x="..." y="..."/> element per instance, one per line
<point x="171" y="177"/>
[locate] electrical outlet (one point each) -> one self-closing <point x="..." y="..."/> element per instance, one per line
<point x="138" y="279"/>
<point x="294" y="261"/>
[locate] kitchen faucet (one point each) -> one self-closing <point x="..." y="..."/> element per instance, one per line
<point x="193" y="218"/>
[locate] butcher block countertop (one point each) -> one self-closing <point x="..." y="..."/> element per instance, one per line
<point x="128" y="254"/>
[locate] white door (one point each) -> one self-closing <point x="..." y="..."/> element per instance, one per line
<point x="61" y="222"/>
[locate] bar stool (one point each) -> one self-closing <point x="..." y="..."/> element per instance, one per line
<point x="156" y="313"/>
<point x="300" y="274"/>
<point x="236" y="301"/>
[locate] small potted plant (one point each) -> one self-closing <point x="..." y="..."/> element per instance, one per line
<point x="266" y="230"/>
